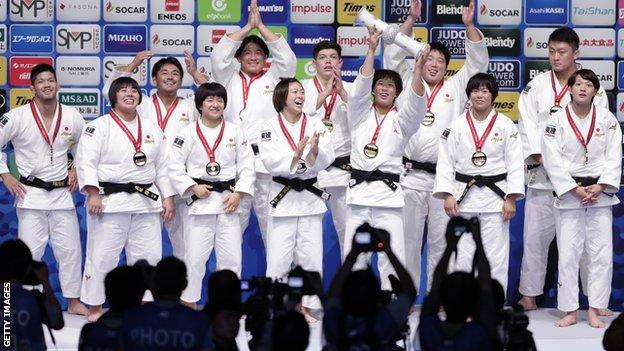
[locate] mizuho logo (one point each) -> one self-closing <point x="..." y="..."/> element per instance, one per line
<point x="219" y="5"/>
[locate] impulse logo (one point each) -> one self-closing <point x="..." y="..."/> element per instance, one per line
<point x="304" y="11"/>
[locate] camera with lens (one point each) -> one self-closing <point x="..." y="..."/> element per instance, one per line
<point x="512" y="330"/>
<point x="367" y="239"/>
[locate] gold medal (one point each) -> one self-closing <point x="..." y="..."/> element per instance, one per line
<point x="371" y="150"/>
<point x="479" y="159"/>
<point x="329" y="124"/>
<point x="428" y="119"/>
<point x="139" y="158"/>
<point x="213" y="168"/>
<point x="554" y="109"/>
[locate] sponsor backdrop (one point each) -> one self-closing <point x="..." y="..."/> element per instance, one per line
<point x="84" y="39"/>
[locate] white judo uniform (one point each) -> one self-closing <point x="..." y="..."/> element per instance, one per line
<point x="504" y="156"/>
<point x="128" y="220"/>
<point x="376" y="202"/>
<point x="207" y="226"/>
<point x="252" y="111"/>
<point x="333" y="179"/>
<point x="539" y="224"/>
<point x="295" y="225"/>
<point x="420" y="205"/>
<point x="44" y="214"/>
<point x="180" y="114"/>
<point x="583" y="228"/>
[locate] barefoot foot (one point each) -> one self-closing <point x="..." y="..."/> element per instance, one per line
<point x="528" y="302"/>
<point x="605" y="312"/>
<point x="568" y="320"/>
<point x="95" y="312"/>
<point x="593" y="320"/>
<point x="191" y="305"/>
<point x="77" y="307"/>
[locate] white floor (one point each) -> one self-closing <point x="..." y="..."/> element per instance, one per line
<point x="579" y="337"/>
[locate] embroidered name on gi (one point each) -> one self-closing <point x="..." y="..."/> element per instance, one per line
<point x="178" y="142"/>
<point x="89" y="130"/>
<point x="551" y="130"/>
<point x="446" y="133"/>
<point x="265" y="136"/>
<point x="4" y="120"/>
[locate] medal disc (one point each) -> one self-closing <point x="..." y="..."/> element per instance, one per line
<point x="139" y="158"/>
<point x="301" y="167"/>
<point x="555" y="109"/>
<point x="329" y="124"/>
<point x="428" y="119"/>
<point x="371" y="150"/>
<point x="213" y="168"/>
<point x="479" y="159"/>
<point x="240" y="114"/>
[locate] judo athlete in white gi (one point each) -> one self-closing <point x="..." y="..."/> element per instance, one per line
<point x="543" y="96"/>
<point x="582" y="155"/>
<point x="42" y="132"/>
<point x="326" y="98"/>
<point x="122" y="169"/>
<point x="480" y="174"/>
<point x="294" y="149"/>
<point x="212" y="167"/>
<point x="379" y="132"/>
<point x="446" y="99"/>
<point x="238" y="62"/>
<point x="167" y="110"/>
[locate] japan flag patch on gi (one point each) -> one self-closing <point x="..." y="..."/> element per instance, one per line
<point x="550" y="130"/>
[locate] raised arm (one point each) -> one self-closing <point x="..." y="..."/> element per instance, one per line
<point x="125" y="70"/>
<point x="413" y="103"/>
<point x="359" y="96"/>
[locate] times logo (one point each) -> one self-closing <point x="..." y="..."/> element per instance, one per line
<point x="78" y="38"/>
<point x="348" y="9"/>
<point x="305" y="11"/>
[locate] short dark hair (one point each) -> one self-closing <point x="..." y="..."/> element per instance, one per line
<point x="391" y="75"/>
<point x="124" y="288"/>
<point x="441" y="48"/>
<point x="16" y="259"/>
<point x="170" y="276"/>
<point x="459" y="294"/>
<point x="290" y="332"/>
<point x="485" y="80"/>
<point x="209" y="89"/>
<point x="586" y="74"/>
<point x="119" y="84"/>
<point x="167" y="61"/>
<point x="281" y="93"/>
<point x="40" y="68"/>
<point x="565" y="35"/>
<point x="325" y="45"/>
<point x="252" y="39"/>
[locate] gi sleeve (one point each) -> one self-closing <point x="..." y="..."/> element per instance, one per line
<point x="552" y="158"/>
<point x="309" y="106"/>
<point x="88" y="155"/>
<point x="528" y="123"/>
<point x="180" y="150"/>
<point x="163" y="183"/>
<point x="611" y="173"/>
<point x="8" y="130"/>
<point x="514" y="162"/>
<point x="359" y="100"/>
<point x="224" y="64"/>
<point x="411" y="112"/>
<point x="276" y="155"/>
<point x="601" y="99"/>
<point x="78" y="124"/>
<point x="284" y="61"/>
<point x="477" y="59"/>
<point x="394" y="58"/>
<point x="445" y="168"/>
<point x="245" y="171"/>
<point x="326" y="149"/>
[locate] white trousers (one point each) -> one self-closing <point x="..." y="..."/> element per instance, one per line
<point x="107" y="235"/>
<point x="260" y="202"/>
<point x="203" y="233"/>
<point x="421" y="207"/>
<point x="62" y="229"/>
<point x="295" y="240"/>
<point x="338" y="206"/>
<point x="175" y="228"/>
<point x="389" y="219"/>
<point x="495" y="238"/>
<point x="589" y="230"/>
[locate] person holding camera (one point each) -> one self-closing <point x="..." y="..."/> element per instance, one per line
<point x="582" y="155"/>
<point x="30" y="309"/>
<point x="224" y="309"/>
<point x="356" y="314"/>
<point x="480" y="173"/>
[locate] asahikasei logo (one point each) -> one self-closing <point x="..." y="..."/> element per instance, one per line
<point x="549" y="12"/>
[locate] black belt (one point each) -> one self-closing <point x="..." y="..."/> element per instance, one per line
<point x="39" y="183"/>
<point x="585" y="181"/>
<point x="112" y="188"/>
<point x="533" y="166"/>
<point x="481" y="181"/>
<point x="428" y="167"/>
<point x="217" y="186"/>
<point x="255" y="149"/>
<point x="358" y="176"/>
<point x="343" y="163"/>
<point x="297" y="184"/>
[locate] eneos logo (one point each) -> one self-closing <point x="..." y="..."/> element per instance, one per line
<point x="219" y="11"/>
<point x="172" y="11"/>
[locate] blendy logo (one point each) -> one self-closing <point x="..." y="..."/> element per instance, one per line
<point x="172" y="11"/>
<point x="20" y="97"/>
<point x="125" y="38"/>
<point x="496" y="12"/>
<point x="86" y="101"/>
<point x="187" y="81"/>
<point x="31" y="10"/>
<point x="20" y="67"/>
<point x="507" y="103"/>
<point x="502" y="41"/>
<point x="225" y="11"/>
<point x="139" y="74"/>
<point x="305" y="69"/>
<point x="447" y="11"/>
<point x="304" y="38"/>
<point x="348" y="9"/>
<point x="3" y="38"/>
<point x="172" y="40"/>
<point x="305" y="11"/>
<point x="604" y="69"/>
<point x="398" y="10"/>
<point x="596" y="42"/>
<point x="354" y="41"/>
<point x="83" y="69"/>
<point x="550" y="12"/>
<point x="453" y="38"/>
<point x="78" y="10"/>
<point x="272" y="11"/>
<point x="536" y="41"/>
<point x="594" y="12"/>
<point x="533" y="68"/>
<point x="351" y="68"/>
<point x="506" y="72"/>
<point x="31" y="38"/>
<point x="78" y="38"/>
<point x="209" y="36"/>
<point x="125" y="11"/>
<point x="3" y="70"/>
